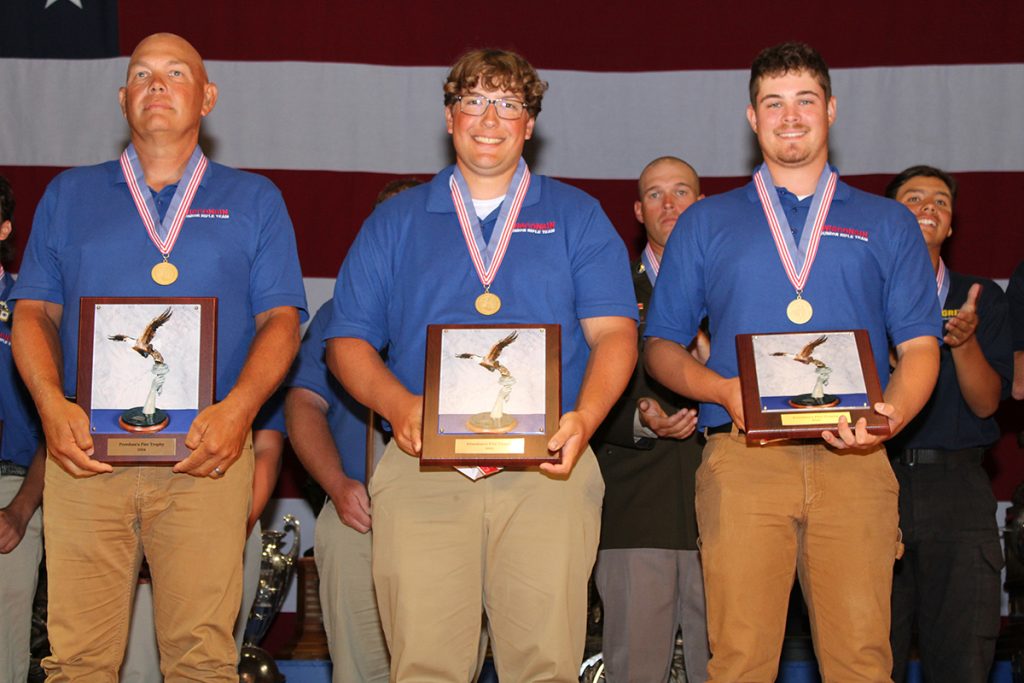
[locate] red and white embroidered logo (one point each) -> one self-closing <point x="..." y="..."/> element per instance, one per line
<point x="845" y="233"/>
<point x="536" y="228"/>
<point x="222" y="214"/>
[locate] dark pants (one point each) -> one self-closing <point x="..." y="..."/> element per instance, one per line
<point x="948" y="580"/>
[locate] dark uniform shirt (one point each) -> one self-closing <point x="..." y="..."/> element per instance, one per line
<point x="946" y="422"/>
<point x="650" y="484"/>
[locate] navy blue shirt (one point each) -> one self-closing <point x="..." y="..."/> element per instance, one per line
<point x="946" y="422"/>
<point x="1015" y="293"/>
<point x="346" y="417"/>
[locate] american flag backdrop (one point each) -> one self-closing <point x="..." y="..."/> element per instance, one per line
<point x="331" y="99"/>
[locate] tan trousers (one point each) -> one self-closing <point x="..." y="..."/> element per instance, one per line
<point x="354" y="636"/>
<point x="19" y="572"/>
<point x="193" y="532"/>
<point x="766" y="512"/>
<point x="518" y="544"/>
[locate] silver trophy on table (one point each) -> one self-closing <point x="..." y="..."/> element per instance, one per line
<point x="276" y="569"/>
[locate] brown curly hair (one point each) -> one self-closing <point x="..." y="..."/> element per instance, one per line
<point x="495" y="70"/>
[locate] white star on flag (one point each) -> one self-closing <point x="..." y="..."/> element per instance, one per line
<point x="76" y="3"/>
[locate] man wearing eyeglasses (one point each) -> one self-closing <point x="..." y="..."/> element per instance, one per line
<point x="518" y="544"/>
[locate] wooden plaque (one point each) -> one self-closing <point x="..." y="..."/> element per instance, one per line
<point x="146" y="368"/>
<point x="492" y="394"/>
<point x="798" y="384"/>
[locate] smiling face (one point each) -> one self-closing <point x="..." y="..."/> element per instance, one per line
<point x="487" y="147"/>
<point x="931" y="201"/>
<point x="791" y="117"/>
<point x="667" y="188"/>
<point x="166" y="91"/>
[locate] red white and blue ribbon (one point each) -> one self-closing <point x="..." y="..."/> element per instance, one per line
<point x="487" y="256"/>
<point x="163" y="233"/>
<point x="651" y="264"/>
<point x="796" y="259"/>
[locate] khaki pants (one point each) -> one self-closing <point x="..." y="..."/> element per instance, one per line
<point x="193" y="532"/>
<point x="354" y="636"/>
<point x="518" y="544"/>
<point x="766" y="512"/>
<point x="19" y="572"/>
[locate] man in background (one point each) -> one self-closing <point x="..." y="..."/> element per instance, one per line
<point x="948" y="581"/>
<point x="22" y="460"/>
<point x="648" y="568"/>
<point x="328" y="431"/>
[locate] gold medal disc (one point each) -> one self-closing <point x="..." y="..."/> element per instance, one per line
<point x="488" y="304"/>
<point x="164" y="273"/>
<point x="799" y="311"/>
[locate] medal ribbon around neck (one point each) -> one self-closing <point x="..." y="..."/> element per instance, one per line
<point x="487" y="257"/>
<point x="796" y="260"/>
<point x="942" y="283"/>
<point x="651" y="263"/>
<point x="163" y="233"/>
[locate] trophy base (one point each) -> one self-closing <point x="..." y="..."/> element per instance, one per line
<point x="257" y="666"/>
<point x="134" y="420"/>
<point x="808" y="401"/>
<point x="483" y="423"/>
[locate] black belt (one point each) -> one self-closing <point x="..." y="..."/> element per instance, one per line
<point x="12" y="469"/>
<point x="720" y="429"/>
<point x="912" y="457"/>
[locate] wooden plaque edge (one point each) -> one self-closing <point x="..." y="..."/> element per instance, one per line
<point x="535" y="445"/>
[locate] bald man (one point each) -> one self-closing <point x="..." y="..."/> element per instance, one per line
<point x="648" y="569"/>
<point x="112" y="230"/>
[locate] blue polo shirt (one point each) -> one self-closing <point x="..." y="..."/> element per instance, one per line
<point x="410" y="267"/>
<point x="346" y="417"/>
<point x="21" y="431"/>
<point x="237" y="244"/>
<point x="946" y="422"/>
<point x="872" y="272"/>
<point x="271" y="415"/>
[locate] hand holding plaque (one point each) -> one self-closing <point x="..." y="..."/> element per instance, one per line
<point x="491" y="395"/>
<point x="798" y="385"/>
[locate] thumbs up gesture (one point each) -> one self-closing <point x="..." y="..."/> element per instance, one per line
<point x="961" y="329"/>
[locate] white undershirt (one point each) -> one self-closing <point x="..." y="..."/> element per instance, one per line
<point x="484" y="207"/>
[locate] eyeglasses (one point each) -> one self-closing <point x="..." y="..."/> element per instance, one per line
<point x="476" y="105"/>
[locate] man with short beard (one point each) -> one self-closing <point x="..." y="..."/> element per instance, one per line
<point x="796" y="250"/>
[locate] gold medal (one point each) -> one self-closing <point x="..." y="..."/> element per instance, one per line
<point x="488" y="304"/>
<point x="799" y="311"/>
<point x="165" y="273"/>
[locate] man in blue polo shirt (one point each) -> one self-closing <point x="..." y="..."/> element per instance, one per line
<point x="825" y="509"/>
<point x="485" y="242"/>
<point x="328" y="430"/>
<point x="163" y="222"/>
<point x="22" y="458"/>
<point x="948" y="580"/>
